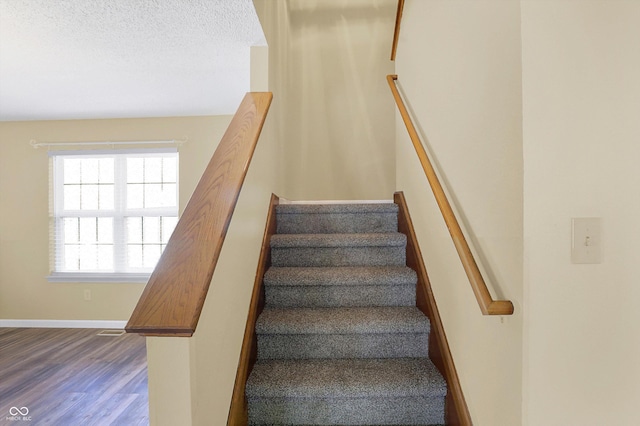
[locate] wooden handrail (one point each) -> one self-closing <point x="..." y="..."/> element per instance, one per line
<point x="173" y="298"/>
<point x="396" y="31"/>
<point x="488" y="306"/>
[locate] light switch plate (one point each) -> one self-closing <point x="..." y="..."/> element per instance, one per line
<point x="586" y="241"/>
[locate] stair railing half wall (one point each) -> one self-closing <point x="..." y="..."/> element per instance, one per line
<point x="488" y="305"/>
<point x="172" y="301"/>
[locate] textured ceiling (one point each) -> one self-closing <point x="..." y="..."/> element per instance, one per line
<point x="69" y="59"/>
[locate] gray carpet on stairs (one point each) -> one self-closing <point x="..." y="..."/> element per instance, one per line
<point x="340" y="286"/>
<point x="340" y="341"/>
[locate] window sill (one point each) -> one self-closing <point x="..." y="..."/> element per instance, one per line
<point x="96" y="277"/>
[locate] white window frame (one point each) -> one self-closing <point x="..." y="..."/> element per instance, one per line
<point x="120" y="212"/>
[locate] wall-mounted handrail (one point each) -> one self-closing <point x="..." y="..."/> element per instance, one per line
<point x="173" y="298"/>
<point x="396" y="31"/>
<point x="488" y="306"/>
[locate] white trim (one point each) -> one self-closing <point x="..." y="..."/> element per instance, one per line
<point x="94" y="152"/>
<point x="25" y="323"/>
<point x="107" y="277"/>
<point x="178" y="142"/>
<point x="285" y="201"/>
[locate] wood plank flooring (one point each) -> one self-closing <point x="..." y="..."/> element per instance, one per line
<point x="73" y="377"/>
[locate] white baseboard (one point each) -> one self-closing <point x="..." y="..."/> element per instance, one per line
<point x="24" y="323"/>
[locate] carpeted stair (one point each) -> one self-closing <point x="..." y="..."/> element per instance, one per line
<point x="340" y="341"/>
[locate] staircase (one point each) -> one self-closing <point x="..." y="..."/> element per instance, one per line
<point x="340" y="340"/>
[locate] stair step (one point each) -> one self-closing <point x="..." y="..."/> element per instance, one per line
<point x="378" y="332"/>
<point x="380" y="249"/>
<point x="336" y="218"/>
<point x="340" y="296"/>
<point x="340" y="287"/>
<point x="352" y="378"/>
<point x="342" y="320"/>
<point x="381" y="239"/>
<point x="346" y="275"/>
<point x="348" y="391"/>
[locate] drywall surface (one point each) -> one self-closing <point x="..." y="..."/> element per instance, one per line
<point x="24" y="211"/>
<point x="581" y="92"/>
<point x="338" y="140"/>
<point x="458" y="65"/>
<point x="169" y="364"/>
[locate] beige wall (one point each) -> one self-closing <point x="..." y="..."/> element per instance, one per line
<point x="24" y="191"/>
<point x="337" y="120"/>
<point x="581" y="86"/>
<point x="458" y="63"/>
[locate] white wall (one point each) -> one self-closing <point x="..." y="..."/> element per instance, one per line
<point x="458" y="64"/>
<point x="338" y="115"/>
<point x="581" y="92"/>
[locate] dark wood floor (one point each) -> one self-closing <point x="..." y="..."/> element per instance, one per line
<point x="73" y="377"/>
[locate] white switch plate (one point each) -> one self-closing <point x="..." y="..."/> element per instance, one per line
<point x="586" y="241"/>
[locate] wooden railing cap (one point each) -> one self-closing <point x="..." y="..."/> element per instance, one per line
<point x="172" y="301"/>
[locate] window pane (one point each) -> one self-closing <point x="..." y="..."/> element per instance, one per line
<point x="169" y="169"/>
<point x="71" y="257"/>
<point x="153" y="169"/>
<point x="170" y="195"/>
<point x="89" y="197"/>
<point x="106" y="170"/>
<point x="134" y="256"/>
<point x="106" y="197"/>
<point x="135" y="170"/>
<point x="88" y="231"/>
<point x="71" y="197"/>
<point x="163" y="195"/>
<point x="105" y="230"/>
<point x="71" y="170"/>
<point x="151" y="254"/>
<point x="89" y="257"/>
<point x="168" y="225"/>
<point x="134" y="230"/>
<point x="90" y="171"/>
<point x="151" y="230"/>
<point x="71" y="232"/>
<point x="105" y="257"/>
<point x="135" y="196"/>
<point x="152" y="196"/>
<point x="160" y="195"/>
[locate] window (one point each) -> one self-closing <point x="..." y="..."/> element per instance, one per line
<point x="113" y="213"/>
